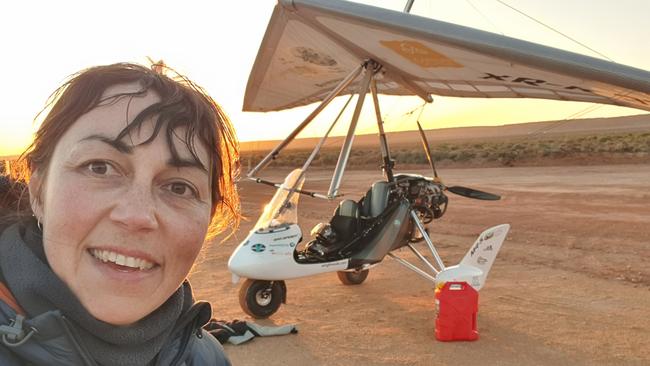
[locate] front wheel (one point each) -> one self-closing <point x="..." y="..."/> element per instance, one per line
<point x="261" y="299"/>
<point x="352" y="278"/>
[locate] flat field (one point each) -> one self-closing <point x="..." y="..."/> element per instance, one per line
<point x="571" y="285"/>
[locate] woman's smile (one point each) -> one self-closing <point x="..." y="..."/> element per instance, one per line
<point x="122" y="261"/>
<point x="130" y="275"/>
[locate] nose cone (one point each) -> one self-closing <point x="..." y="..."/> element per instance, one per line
<point x="237" y="261"/>
<point x="250" y="256"/>
<point x="267" y="254"/>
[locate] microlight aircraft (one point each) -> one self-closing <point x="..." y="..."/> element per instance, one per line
<point x="316" y="50"/>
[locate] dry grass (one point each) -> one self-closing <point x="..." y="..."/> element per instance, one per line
<point x="583" y="149"/>
<point x="627" y="147"/>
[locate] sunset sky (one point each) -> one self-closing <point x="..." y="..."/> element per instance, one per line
<point x="215" y="43"/>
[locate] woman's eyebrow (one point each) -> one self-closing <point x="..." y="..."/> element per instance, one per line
<point x="117" y="145"/>
<point x="182" y="163"/>
<point x="124" y="148"/>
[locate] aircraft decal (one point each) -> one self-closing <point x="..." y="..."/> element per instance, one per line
<point x="271" y="231"/>
<point x="330" y="264"/>
<point x="531" y="81"/>
<point x="481" y="261"/>
<point x="420" y="54"/>
<point x="474" y="248"/>
<point x="285" y="237"/>
<point x="279" y="245"/>
<point x="488" y="235"/>
<point x="313" y="56"/>
<point x="488" y="248"/>
<point x="258" y="248"/>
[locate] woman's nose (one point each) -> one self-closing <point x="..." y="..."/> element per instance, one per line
<point x="136" y="210"/>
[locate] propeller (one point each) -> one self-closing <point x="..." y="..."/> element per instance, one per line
<point x="473" y="193"/>
<point x="427" y="151"/>
<point x="461" y="191"/>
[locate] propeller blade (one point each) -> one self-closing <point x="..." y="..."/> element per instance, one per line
<point x="473" y="193"/>
<point x="427" y="150"/>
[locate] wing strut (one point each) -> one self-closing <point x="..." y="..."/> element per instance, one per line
<point x="367" y="84"/>
<point x="334" y="93"/>
<point x="387" y="167"/>
<point x="370" y="67"/>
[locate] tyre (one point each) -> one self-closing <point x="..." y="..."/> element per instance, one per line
<point x="261" y="299"/>
<point x="352" y="278"/>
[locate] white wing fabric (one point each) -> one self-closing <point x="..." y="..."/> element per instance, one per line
<point x="311" y="45"/>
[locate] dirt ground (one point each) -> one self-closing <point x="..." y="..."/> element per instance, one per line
<point x="571" y="285"/>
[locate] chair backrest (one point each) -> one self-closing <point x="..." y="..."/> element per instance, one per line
<point x="348" y="208"/>
<point x="376" y="200"/>
<point x="345" y="220"/>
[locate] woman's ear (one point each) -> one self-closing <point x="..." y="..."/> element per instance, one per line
<point x="35" y="186"/>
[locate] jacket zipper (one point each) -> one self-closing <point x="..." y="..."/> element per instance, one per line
<point x="83" y="354"/>
<point x="185" y="341"/>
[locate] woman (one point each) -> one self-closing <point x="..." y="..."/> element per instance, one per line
<point x="129" y="174"/>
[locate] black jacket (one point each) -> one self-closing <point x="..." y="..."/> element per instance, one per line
<point x="54" y="344"/>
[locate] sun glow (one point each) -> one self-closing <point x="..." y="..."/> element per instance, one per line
<point x="215" y="44"/>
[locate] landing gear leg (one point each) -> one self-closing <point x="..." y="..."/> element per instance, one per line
<point x="424" y="233"/>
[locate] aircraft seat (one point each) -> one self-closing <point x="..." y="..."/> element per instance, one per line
<point x="345" y="219"/>
<point x="376" y="200"/>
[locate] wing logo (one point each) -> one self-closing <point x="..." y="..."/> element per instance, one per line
<point x="420" y="54"/>
<point x="481" y="261"/>
<point x="258" y="248"/>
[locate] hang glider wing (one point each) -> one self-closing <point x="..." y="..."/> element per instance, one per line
<point x="311" y="45"/>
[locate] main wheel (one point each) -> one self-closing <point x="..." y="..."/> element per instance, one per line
<point x="352" y="278"/>
<point x="261" y="299"/>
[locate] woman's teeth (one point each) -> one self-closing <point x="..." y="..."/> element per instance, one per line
<point x="122" y="260"/>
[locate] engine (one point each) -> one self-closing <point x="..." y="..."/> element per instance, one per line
<point x="426" y="196"/>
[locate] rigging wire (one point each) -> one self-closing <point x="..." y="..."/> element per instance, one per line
<point x="553" y="29"/>
<point x="485" y="17"/>
<point x="421" y="110"/>
<point x="420" y="107"/>
<point x="389" y="111"/>
<point x="564" y="122"/>
<point x="582" y="112"/>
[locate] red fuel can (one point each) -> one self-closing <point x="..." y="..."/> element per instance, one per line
<point x="457" y="305"/>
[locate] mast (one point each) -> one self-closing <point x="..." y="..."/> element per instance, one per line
<point x="409" y="4"/>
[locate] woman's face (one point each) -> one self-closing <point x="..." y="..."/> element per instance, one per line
<point x="122" y="223"/>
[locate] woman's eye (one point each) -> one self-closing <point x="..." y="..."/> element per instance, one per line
<point x="182" y="189"/>
<point x="99" y="167"/>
